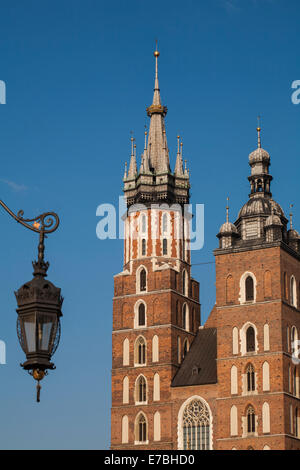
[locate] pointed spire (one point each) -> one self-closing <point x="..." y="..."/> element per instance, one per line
<point x="291" y="216"/>
<point x="132" y="167"/>
<point x="227" y="210"/>
<point x="156" y="97"/>
<point x="179" y="163"/>
<point x="157" y="142"/>
<point x="258" y="133"/>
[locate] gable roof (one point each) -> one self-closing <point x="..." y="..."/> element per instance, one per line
<point x="199" y="366"/>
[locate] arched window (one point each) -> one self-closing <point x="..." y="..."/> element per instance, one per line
<point x="250" y="420"/>
<point x="143" y="247"/>
<point x="143" y="280"/>
<point x="126" y="352"/>
<point x="285" y="288"/>
<point x="196" y="426"/>
<point x="250" y="339"/>
<point x="185" y="347"/>
<point x="293" y="292"/>
<point x="157" y="426"/>
<point x="229" y="290"/>
<point x="141" y="428"/>
<point x="125" y="430"/>
<point x="235" y="340"/>
<point x="140" y="351"/>
<point x="141" y="390"/>
<point x="296" y="423"/>
<point x="185" y="317"/>
<point x="142" y="315"/>
<point x="156" y="387"/>
<point x="234" y="380"/>
<point x="250" y="373"/>
<point x="294" y="339"/>
<point x="184" y="283"/>
<point x="249" y="289"/>
<point x="165" y="246"/>
<point x="155" y="349"/>
<point x="178" y="349"/>
<point x="125" y="390"/>
<point x="266" y="376"/>
<point x="233" y="421"/>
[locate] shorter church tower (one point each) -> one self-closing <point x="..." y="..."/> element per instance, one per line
<point x="257" y="319"/>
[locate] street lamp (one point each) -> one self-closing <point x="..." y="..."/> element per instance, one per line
<point x="39" y="304"/>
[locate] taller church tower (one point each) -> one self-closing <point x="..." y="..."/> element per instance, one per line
<point x="156" y="310"/>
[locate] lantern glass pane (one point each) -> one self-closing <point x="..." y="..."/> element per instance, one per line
<point x="30" y="332"/>
<point x="45" y="324"/>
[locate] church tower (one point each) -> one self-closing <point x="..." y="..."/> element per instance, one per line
<point x="156" y="310"/>
<point x="257" y="318"/>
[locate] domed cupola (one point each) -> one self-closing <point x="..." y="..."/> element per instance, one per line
<point x="261" y="218"/>
<point x="273" y="227"/>
<point x="260" y="179"/>
<point x="228" y="232"/>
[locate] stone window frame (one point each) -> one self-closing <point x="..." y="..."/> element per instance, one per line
<point x="243" y="332"/>
<point x="137" y="402"/>
<point x="136" y="353"/>
<point x="137" y="441"/>
<point x="180" y="419"/>
<point x="138" y="279"/>
<point x="242" y="294"/>
<point x="136" y="325"/>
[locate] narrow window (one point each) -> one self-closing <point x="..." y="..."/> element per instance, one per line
<point x="250" y="420"/>
<point x="165" y="246"/>
<point x="142" y="315"/>
<point x="141" y="351"/>
<point x="250" y="378"/>
<point x="143" y="247"/>
<point x="250" y="339"/>
<point x="143" y="280"/>
<point x="184" y="283"/>
<point x="142" y="429"/>
<point x="141" y="390"/>
<point x="249" y="289"/>
<point x="185" y="348"/>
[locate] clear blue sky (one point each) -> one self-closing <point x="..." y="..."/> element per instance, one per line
<point x="79" y="75"/>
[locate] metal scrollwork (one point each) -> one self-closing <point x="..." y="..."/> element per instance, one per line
<point x="44" y="223"/>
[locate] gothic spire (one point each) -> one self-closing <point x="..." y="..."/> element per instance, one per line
<point x="179" y="162"/>
<point x="132" y="167"/>
<point x="157" y="149"/>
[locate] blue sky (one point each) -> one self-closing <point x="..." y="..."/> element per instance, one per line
<point x="79" y="75"/>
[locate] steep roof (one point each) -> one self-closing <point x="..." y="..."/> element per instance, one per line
<point x="199" y="366"/>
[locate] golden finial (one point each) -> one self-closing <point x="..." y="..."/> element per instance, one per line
<point x="156" y="53"/>
<point x="227" y="210"/>
<point x="258" y="132"/>
<point x="178" y="143"/>
<point x="291" y="216"/>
